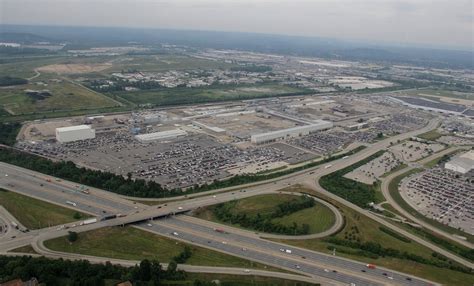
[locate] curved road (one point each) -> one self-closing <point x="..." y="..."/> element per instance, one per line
<point x="386" y="193"/>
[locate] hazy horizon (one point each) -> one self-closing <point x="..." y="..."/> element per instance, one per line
<point x="434" y="24"/>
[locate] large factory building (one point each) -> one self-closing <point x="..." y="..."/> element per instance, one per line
<point x="290" y="132"/>
<point x="74" y="133"/>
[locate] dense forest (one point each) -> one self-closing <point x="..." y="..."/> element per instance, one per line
<point x="8" y="132"/>
<point x="7" y="80"/>
<point x="65" y="272"/>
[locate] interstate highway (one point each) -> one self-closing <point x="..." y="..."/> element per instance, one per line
<point x="99" y="201"/>
<point x="145" y="212"/>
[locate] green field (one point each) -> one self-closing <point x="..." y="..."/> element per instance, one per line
<point x="430" y="135"/>
<point x="65" y="96"/>
<point x="319" y="217"/>
<point x="24" y="249"/>
<point x="183" y="95"/>
<point x="163" y="62"/>
<point x="134" y="244"/>
<point x="39" y="214"/>
<point x="357" y="226"/>
<point x="24" y="68"/>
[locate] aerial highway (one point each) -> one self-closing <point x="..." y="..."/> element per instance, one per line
<point x="100" y="203"/>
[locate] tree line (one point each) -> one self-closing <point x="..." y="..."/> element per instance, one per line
<point x="8" y="80"/>
<point x="263" y="222"/>
<point x="355" y="192"/>
<point x="8" y="132"/>
<point x="53" y="272"/>
<point x="133" y="187"/>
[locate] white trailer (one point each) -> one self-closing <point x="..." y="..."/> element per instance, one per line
<point x="89" y="221"/>
<point x="71" y="203"/>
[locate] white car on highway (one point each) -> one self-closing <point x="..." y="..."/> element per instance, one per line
<point x="180" y="208"/>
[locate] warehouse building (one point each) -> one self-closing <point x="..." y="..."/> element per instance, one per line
<point x="461" y="164"/>
<point x="290" y="132"/>
<point x="74" y="133"/>
<point x="162" y="135"/>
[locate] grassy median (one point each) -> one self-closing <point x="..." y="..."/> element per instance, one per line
<point x="34" y="213"/>
<point x="318" y="217"/>
<point x="134" y="244"/>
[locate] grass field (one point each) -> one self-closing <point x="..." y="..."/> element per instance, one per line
<point x="182" y="95"/>
<point x="24" y="249"/>
<point x="33" y="213"/>
<point x="430" y="135"/>
<point x="134" y="244"/>
<point x="365" y="229"/>
<point x="319" y="217"/>
<point x="65" y="96"/>
<point x="24" y="68"/>
<point x="164" y="62"/>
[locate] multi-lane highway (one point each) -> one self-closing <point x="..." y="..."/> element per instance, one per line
<point x="101" y="203"/>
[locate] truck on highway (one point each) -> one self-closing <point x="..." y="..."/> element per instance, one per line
<point x="71" y="203"/>
<point x="327" y="166"/>
<point x="288" y="251"/>
<point x="370" y="266"/>
<point x="219" y="230"/>
<point x="89" y="221"/>
<point x="15" y="225"/>
<point x="85" y="192"/>
<point x="107" y="217"/>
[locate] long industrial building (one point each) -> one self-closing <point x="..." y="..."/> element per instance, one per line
<point x="290" y="132"/>
<point x="462" y="163"/>
<point x="169" y="134"/>
<point x="74" y="133"/>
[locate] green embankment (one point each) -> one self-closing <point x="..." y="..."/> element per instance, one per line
<point x="39" y="214"/>
<point x="134" y="244"/>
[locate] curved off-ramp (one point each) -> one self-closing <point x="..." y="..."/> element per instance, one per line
<point x="337" y="225"/>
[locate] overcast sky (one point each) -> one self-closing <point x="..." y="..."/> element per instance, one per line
<point x="427" y="22"/>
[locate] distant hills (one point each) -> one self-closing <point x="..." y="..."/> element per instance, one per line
<point x="85" y="37"/>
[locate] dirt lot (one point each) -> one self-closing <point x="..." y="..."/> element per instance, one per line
<point x="74" y="68"/>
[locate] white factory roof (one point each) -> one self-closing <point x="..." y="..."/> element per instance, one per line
<point x="161" y="135"/>
<point x="318" y="123"/>
<point x="465" y="161"/>
<point x="73" y="128"/>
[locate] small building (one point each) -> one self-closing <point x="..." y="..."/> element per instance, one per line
<point x="163" y="135"/>
<point x="290" y="132"/>
<point x="74" y="133"/>
<point x="462" y="163"/>
<point x="357" y="126"/>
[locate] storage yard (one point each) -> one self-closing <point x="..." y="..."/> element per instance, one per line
<point x="445" y="193"/>
<point x="184" y="147"/>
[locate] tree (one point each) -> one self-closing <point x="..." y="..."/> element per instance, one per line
<point x="72" y="236"/>
<point x="145" y="270"/>
<point x="172" y="267"/>
<point x="155" y="273"/>
<point x="77" y="215"/>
